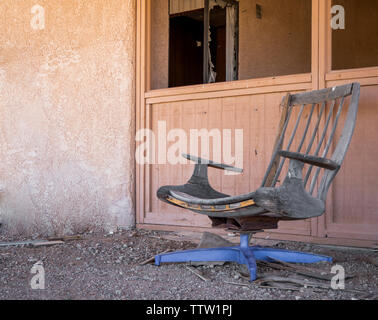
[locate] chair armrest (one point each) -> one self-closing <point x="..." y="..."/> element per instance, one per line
<point x="212" y="164"/>
<point x="312" y="160"/>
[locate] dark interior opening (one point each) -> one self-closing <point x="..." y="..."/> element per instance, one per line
<point x="186" y="46"/>
<point x="186" y="49"/>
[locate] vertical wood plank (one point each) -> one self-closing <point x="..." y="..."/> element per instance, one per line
<point x="354" y="204"/>
<point x="215" y="122"/>
<point x="258" y="159"/>
<point x="315" y="44"/>
<point x="228" y="115"/>
<point x="315" y="71"/>
<point x="243" y="109"/>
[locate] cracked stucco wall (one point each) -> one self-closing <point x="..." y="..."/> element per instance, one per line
<point x="67" y="109"/>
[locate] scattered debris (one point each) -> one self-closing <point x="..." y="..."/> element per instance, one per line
<point x="30" y="243"/>
<point x="243" y="275"/>
<point x="272" y="281"/>
<point x="66" y="238"/>
<point x="46" y="243"/>
<point x="278" y="287"/>
<point x="98" y="275"/>
<point x="277" y="282"/>
<point x="211" y="240"/>
<point x="237" y="284"/>
<point x="133" y="234"/>
<point x="197" y="273"/>
<point x="152" y="259"/>
<point x="40" y="243"/>
<point x="373" y="261"/>
<point x="301" y="270"/>
<point x="346" y="248"/>
<point x="370" y="295"/>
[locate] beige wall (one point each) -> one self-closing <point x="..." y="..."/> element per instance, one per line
<point x="277" y="44"/>
<point x="356" y="46"/>
<point x="67" y="116"/>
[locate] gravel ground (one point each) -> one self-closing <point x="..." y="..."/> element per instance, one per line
<point x="108" y="267"/>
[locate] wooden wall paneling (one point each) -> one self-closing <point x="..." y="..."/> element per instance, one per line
<point x="253" y="106"/>
<point x="272" y="107"/>
<point x="148" y="167"/>
<point x="243" y="108"/>
<point x="215" y="122"/>
<point x="324" y="41"/>
<point x="228" y="122"/>
<point x="154" y="179"/>
<point x="196" y="116"/>
<point x="140" y="90"/>
<point x="365" y="82"/>
<point x="194" y="95"/>
<point x="324" y="67"/>
<point x="354" y="204"/>
<point x="258" y="153"/>
<point x="344" y="218"/>
<point x="189" y="122"/>
<point x="315" y="44"/>
<point x="229" y="86"/>
<point x="359" y="73"/>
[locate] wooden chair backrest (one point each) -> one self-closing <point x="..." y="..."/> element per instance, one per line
<point x="319" y="123"/>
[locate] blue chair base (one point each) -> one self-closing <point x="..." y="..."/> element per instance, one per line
<point x="242" y="254"/>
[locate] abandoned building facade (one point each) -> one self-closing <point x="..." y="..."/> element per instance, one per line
<point x="79" y="79"/>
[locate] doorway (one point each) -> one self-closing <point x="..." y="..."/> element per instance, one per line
<point x="188" y="48"/>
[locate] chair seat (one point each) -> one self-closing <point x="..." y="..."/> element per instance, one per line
<point x="234" y="202"/>
<point x="202" y="198"/>
<point x="268" y="202"/>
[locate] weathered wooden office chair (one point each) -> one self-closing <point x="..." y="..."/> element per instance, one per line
<point x="310" y="128"/>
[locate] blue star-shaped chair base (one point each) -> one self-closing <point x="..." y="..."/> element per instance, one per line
<point x="242" y="254"/>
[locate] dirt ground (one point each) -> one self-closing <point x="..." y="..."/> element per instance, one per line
<point x="108" y="267"/>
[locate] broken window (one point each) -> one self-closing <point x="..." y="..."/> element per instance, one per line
<point x="202" y="42"/>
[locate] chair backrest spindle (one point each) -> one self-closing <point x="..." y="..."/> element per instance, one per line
<point x="289" y="144"/>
